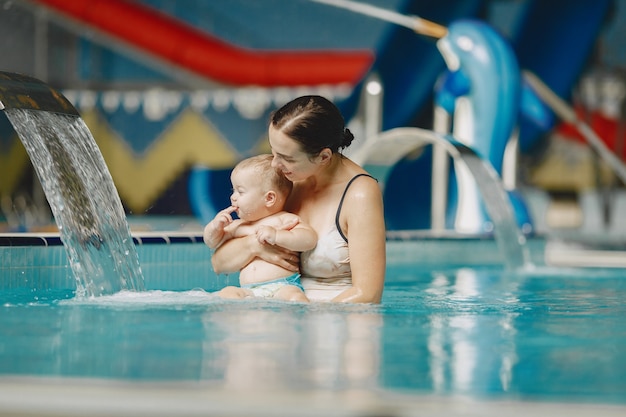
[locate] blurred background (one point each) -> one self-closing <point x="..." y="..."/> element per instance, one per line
<point x="177" y="92"/>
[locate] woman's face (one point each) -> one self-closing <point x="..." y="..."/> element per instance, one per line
<point x="289" y="157"/>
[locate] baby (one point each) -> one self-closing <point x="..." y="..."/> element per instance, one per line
<point x="259" y="195"/>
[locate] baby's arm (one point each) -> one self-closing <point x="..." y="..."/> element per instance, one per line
<point x="220" y="228"/>
<point x="299" y="238"/>
<point x="243" y="229"/>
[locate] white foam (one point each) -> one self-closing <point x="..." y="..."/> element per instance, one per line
<point x="148" y="298"/>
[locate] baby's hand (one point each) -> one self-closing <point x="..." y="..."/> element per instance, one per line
<point x="291" y="222"/>
<point x="266" y="234"/>
<point x="224" y="217"/>
<point x="214" y="231"/>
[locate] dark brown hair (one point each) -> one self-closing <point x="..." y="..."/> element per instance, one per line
<point x="314" y="122"/>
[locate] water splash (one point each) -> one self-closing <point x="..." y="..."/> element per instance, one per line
<point x="83" y="199"/>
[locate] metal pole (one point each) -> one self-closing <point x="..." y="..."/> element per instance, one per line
<point x="441" y="166"/>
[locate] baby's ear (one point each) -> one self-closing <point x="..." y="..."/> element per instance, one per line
<point x="270" y="198"/>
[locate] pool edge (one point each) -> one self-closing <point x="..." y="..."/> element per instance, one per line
<point x="30" y="396"/>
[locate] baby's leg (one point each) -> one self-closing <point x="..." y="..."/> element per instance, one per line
<point x="234" y="292"/>
<point x="291" y="293"/>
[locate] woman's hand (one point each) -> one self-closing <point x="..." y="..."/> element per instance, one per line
<point x="278" y="255"/>
<point x="234" y="254"/>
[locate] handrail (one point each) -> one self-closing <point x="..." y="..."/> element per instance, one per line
<point x="567" y="113"/>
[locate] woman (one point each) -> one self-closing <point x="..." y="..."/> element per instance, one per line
<point x="333" y="195"/>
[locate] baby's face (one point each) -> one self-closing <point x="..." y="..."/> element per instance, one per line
<point x="248" y="195"/>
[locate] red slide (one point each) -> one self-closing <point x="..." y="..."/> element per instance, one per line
<point x="181" y="44"/>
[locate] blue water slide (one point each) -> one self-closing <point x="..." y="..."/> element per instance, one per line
<point x="554" y="40"/>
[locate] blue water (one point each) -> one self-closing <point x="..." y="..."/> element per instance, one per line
<point x="548" y="335"/>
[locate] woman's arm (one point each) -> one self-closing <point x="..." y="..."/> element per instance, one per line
<point x="362" y="221"/>
<point x="235" y="254"/>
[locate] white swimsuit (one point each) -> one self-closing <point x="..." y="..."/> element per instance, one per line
<point x="326" y="268"/>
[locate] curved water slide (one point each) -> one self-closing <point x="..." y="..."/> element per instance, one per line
<point x="175" y="43"/>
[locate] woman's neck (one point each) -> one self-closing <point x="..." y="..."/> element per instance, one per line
<point x="327" y="174"/>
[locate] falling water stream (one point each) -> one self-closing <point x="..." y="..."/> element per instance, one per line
<point x="380" y="154"/>
<point x="510" y="239"/>
<point x="83" y="199"/>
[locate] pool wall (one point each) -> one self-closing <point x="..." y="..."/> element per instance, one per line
<point x="180" y="261"/>
<point x="168" y="262"/>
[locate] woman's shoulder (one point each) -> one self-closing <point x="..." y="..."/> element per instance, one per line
<point x="361" y="190"/>
<point x="356" y="179"/>
<point x="362" y="181"/>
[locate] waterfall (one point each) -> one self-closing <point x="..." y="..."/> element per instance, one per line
<point x="77" y="184"/>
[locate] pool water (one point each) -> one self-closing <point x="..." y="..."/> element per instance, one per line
<point x="547" y="334"/>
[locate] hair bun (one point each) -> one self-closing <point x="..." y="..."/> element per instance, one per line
<point x="348" y="137"/>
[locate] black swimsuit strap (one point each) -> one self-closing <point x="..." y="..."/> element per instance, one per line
<point x="341" y="202"/>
